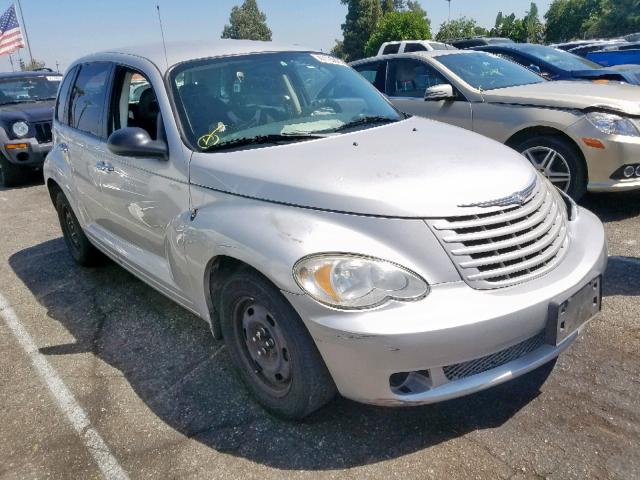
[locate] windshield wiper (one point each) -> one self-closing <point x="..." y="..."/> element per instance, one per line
<point x="274" y="138"/>
<point x="370" y="120"/>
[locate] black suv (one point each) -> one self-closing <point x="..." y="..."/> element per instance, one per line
<point x="26" y="114"/>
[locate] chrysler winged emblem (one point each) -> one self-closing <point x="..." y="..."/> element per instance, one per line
<point x="517" y="198"/>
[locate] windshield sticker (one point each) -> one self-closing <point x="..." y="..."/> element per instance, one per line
<point x="53" y="79"/>
<point x="328" y="59"/>
<point x="211" y="139"/>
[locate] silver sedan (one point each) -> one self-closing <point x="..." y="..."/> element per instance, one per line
<point x="581" y="135"/>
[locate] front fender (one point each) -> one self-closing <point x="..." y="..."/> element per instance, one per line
<point x="272" y="238"/>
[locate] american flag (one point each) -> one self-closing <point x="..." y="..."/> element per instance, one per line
<point x="10" y="33"/>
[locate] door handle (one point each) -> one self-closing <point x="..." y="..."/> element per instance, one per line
<point x="104" y="167"/>
<point x="64" y="148"/>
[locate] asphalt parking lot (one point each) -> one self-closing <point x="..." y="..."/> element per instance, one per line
<point x="160" y="392"/>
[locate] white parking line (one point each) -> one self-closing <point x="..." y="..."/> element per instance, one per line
<point x="99" y="450"/>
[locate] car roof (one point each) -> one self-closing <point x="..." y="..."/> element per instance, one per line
<point x="431" y="54"/>
<point x="178" y="52"/>
<point x="40" y="73"/>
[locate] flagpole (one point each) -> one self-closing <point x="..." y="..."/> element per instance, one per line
<point x="24" y="27"/>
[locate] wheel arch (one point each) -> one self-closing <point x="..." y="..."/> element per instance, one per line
<point x="53" y="188"/>
<point x="545" y="131"/>
<point x="218" y="269"/>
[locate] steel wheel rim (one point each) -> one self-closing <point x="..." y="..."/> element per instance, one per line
<point x="71" y="228"/>
<point x="551" y="164"/>
<point x="263" y="346"/>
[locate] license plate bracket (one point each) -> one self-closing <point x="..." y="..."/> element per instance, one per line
<point x="566" y="316"/>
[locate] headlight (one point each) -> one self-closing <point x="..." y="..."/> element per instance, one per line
<point x="353" y="282"/>
<point x="20" y="129"/>
<point x="613" y="124"/>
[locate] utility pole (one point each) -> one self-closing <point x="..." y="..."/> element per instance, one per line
<point x="24" y="28"/>
<point x="449" y="9"/>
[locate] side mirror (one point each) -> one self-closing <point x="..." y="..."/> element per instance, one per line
<point x="136" y="142"/>
<point x="535" y="68"/>
<point x="439" y="92"/>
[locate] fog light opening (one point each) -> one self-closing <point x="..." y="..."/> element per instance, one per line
<point x="22" y="156"/>
<point x="406" y="383"/>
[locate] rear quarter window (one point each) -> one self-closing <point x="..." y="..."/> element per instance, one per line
<point x="391" y="49"/>
<point x="62" y="101"/>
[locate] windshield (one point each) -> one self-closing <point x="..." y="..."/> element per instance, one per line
<point x="29" y="89"/>
<point x="559" y="58"/>
<point x="488" y="72"/>
<point x="259" y="96"/>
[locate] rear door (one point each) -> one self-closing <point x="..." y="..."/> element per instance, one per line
<point x="84" y="137"/>
<point x="407" y="81"/>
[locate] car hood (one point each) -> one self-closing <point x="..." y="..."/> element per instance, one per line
<point x="619" y="97"/>
<point x="32" y="112"/>
<point x="414" y="168"/>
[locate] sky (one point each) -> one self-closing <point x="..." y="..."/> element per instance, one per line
<point x="62" y="30"/>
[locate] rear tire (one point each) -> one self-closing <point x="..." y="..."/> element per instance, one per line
<point x="559" y="160"/>
<point x="81" y="250"/>
<point x="271" y="348"/>
<point x="10" y="174"/>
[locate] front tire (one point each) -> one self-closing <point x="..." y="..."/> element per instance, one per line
<point x="81" y="250"/>
<point x="559" y="161"/>
<point x="271" y="348"/>
<point x="10" y="174"/>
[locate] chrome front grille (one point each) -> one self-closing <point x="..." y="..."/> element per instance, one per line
<point x="479" y="365"/>
<point x="510" y="245"/>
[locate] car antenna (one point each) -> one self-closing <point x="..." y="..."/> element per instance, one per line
<point x="164" y="44"/>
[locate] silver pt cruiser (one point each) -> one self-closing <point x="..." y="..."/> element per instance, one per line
<point x="333" y="242"/>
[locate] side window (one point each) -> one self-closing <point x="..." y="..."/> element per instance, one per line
<point x="414" y="47"/>
<point x="62" y="103"/>
<point x="134" y="103"/>
<point x="374" y="73"/>
<point x="88" y="97"/>
<point x="391" y="49"/>
<point x="410" y="78"/>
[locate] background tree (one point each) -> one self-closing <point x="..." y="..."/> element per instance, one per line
<point x="462" y="27"/>
<point x="32" y="65"/>
<point x="511" y="27"/>
<point x="533" y="26"/>
<point x="398" y="26"/>
<point x="362" y="18"/>
<point x="414" y="6"/>
<point x="247" y="22"/>
<point x="570" y="19"/>
<point x="617" y="17"/>
<point x="387" y="6"/>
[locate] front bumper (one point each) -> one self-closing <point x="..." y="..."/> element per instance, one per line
<point x="603" y="162"/>
<point x="454" y="324"/>
<point x="30" y="156"/>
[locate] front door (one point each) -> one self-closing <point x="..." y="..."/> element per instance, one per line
<point x="143" y="195"/>
<point x="407" y="81"/>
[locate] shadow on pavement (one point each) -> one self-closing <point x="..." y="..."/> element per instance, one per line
<point x="31" y="178"/>
<point x="184" y="376"/>
<point x="613" y="207"/>
<point x="622" y="277"/>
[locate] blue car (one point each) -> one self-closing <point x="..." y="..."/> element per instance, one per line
<point x="555" y="64"/>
